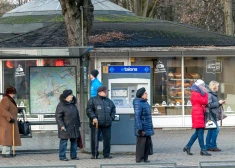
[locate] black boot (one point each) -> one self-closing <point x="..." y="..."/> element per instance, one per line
<point x="187" y="150"/>
<point x="205" y="153"/>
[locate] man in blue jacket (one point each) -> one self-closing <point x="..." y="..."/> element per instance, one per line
<point x="95" y="83"/>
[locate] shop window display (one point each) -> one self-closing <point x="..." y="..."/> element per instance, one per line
<point x="194" y="68"/>
<point x="171" y="94"/>
<point x="167" y="97"/>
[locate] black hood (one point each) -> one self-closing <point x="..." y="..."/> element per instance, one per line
<point x="62" y="100"/>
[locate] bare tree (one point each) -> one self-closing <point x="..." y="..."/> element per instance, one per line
<point x="72" y="15"/>
<point x="207" y="14"/>
<point x="5" y="6"/>
<point x="146" y="8"/>
<point x="21" y="2"/>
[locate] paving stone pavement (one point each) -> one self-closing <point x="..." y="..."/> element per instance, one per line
<point x="168" y="146"/>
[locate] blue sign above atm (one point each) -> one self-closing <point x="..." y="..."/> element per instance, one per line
<point x="129" y="69"/>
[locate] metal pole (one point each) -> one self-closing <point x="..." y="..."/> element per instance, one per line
<point x="182" y="82"/>
<point x="81" y="92"/>
<point x="82" y="24"/>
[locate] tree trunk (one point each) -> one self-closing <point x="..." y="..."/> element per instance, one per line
<point x="153" y="10"/>
<point x="137" y="7"/>
<point x="131" y="4"/>
<point x="228" y="17"/>
<point x="170" y="13"/>
<point x="73" y="21"/>
<point x="145" y="10"/>
<point x="125" y="4"/>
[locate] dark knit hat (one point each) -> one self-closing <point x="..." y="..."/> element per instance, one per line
<point x="10" y="90"/>
<point x="102" y="89"/>
<point x="94" y="73"/>
<point x="66" y="93"/>
<point x="140" y="92"/>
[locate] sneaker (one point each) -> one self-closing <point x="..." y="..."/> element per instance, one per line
<point x="76" y="158"/>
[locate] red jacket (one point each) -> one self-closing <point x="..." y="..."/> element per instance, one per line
<point x="198" y="109"/>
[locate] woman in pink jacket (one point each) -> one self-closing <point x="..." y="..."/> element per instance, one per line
<point x="199" y="99"/>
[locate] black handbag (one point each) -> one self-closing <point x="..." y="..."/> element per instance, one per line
<point x="24" y="125"/>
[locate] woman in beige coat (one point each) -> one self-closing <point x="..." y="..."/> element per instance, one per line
<point x="8" y="119"/>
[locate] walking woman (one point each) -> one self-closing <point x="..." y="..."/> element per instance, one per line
<point x="143" y="125"/>
<point x="213" y="106"/>
<point x="68" y="121"/>
<point x="199" y="99"/>
<point x="8" y="120"/>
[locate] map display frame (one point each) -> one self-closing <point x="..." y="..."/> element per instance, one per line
<point x="47" y="83"/>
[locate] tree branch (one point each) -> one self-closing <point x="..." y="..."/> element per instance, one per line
<point x="153" y="10"/>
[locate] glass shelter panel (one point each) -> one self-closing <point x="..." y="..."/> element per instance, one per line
<point x="16" y="74"/>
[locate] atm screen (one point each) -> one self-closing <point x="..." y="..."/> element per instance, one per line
<point x="118" y="102"/>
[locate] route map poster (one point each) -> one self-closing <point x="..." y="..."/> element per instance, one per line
<point x="46" y="86"/>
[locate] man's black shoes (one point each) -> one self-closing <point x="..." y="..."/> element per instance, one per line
<point x="64" y="159"/>
<point x="93" y="157"/>
<point x="76" y="158"/>
<point x="108" y="157"/>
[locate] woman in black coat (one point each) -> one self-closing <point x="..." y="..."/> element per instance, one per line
<point x="68" y="121"/>
<point x="213" y="107"/>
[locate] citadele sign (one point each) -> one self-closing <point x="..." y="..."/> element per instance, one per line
<point x="128" y="69"/>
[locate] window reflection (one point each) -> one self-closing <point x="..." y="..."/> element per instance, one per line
<point x="16" y="74"/>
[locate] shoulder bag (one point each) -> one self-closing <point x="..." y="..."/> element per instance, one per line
<point x="24" y="125"/>
<point x="209" y="120"/>
<point x="221" y="114"/>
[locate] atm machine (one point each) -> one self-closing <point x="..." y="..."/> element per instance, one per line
<point x="123" y="82"/>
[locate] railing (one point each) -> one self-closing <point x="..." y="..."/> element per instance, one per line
<point x="217" y="164"/>
<point x="46" y="166"/>
<point x="140" y="165"/>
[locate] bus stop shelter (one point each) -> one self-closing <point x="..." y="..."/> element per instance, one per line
<point x="40" y="53"/>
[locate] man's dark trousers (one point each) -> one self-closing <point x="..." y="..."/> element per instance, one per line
<point x="106" y="132"/>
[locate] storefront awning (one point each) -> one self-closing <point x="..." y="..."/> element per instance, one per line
<point x="47" y="52"/>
